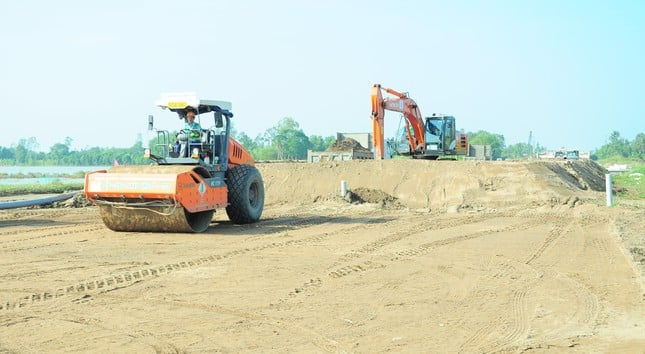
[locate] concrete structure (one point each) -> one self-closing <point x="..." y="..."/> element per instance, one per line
<point x="480" y="152"/>
<point x="322" y="156"/>
<point x="618" y="168"/>
<point x="365" y="139"/>
<point x="565" y="154"/>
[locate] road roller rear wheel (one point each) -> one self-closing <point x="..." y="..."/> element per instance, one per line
<point x="245" y="194"/>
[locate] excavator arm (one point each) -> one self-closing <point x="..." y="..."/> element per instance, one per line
<point x="399" y="103"/>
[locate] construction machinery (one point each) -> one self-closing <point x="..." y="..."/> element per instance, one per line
<point x="429" y="138"/>
<point x="567" y="154"/>
<point x="181" y="193"/>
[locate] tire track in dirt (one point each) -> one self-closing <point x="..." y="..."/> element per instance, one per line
<point x="311" y="336"/>
<point x="71" y="230"/>
<point x="38" y="272"/>
<point x="299" y="221"/>
<point x="409" y="229"/>
<point x="514" y="328"/>
<point x="586" y="312"/>
<point x="430" y="246"/>
<point x="518" y="326"/>
<point x="601" y="248"/>
<point x="345" y="270"/>
<point x="590" y="304"/>
<point x="30" y="214"/>
<point x="559" y="227"/>
<point x="30" y="230"/>
<point x="72" y="344"/>
<point x="480" y="335"/>
<point x="413" y="229"/>
<point x="110" y="282"/>
<point x="506" y="328"/>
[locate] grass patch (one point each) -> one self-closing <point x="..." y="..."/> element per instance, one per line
<point x="54" y="187"/>
<point x="630" y="185"/>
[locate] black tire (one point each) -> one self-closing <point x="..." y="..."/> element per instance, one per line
<point x="245" y="194"/>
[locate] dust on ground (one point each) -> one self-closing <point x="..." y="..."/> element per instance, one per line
<point x="431" y="256"/>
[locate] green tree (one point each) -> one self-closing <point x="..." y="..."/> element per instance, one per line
<point x="638" y="146"/>
<point x="6" y="154"/>
<point x="24" y="151"/>
<point x="615" y="147"/>
<point x="58" y="152"/>
<point x="320" y="143"/>
<point x="246" y="141"/>
<point x="516" y="151"/>
<point x="264" y="153"/>
<point x="496" y="141"/>
<point x="288" y="140"/>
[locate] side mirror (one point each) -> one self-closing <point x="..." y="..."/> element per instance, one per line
<point x="151" y="124"/>
<point x="219" y="122"/>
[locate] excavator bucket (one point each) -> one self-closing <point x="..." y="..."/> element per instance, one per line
<point x="156" y="198"/>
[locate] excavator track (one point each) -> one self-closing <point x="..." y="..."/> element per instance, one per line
<point x="158" y="207"/>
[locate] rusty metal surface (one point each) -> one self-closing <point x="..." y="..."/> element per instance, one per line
<point x="154" y="218"/>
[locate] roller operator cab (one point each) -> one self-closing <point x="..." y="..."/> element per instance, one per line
<point x="194" y="171"/>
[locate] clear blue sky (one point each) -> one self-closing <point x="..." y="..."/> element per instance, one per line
<point x="569" y="71"/>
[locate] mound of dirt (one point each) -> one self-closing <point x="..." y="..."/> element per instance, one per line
<point x="373" y="196"/>
<point x="439" y="185"/>
<point x="346" y="144"/>
<point x="584" y="174"/>
<point x="77" y="201"/>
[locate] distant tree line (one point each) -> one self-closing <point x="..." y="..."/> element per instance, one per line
<point x="617" y="147"/>
<point x="60" y="154"/>
<point x="499" y="148"/>
<point x="284" y="141"/>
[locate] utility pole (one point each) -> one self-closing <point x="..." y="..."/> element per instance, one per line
<point x="530" y="142"/>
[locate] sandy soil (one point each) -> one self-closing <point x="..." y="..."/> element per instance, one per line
<point x="431" y="256"/>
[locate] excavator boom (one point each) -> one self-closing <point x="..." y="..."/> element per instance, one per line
<point x="403" y="104"/>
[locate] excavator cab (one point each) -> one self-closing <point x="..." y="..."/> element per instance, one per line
<point x="442" y="139"/>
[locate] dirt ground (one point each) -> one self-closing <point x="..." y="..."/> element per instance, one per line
<point x="420" y="257"/>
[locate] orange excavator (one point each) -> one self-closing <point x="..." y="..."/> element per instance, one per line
<point x="428" y="138"/>
<point x="192" y="174"/>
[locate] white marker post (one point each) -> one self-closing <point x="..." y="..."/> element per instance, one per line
<point x="343" y="188"/>
<point x="608" y="189"/>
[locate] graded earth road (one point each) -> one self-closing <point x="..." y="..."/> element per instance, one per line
<point x="422" y="257"/>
